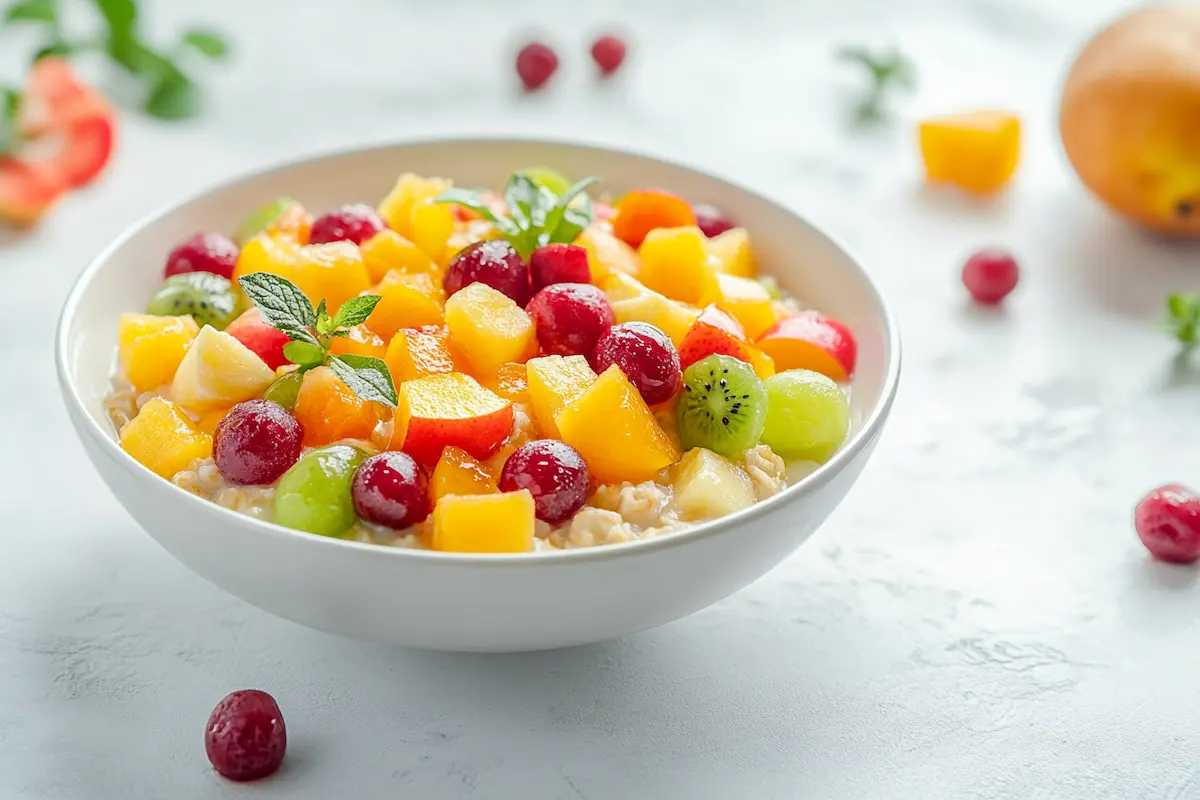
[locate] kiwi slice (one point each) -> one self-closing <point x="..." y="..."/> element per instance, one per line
<point x="260" y="220"/>
<point x="723" y="406"/>
<point x="209" y="298"/>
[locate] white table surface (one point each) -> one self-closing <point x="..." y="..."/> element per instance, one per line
<point x="976" y="620"/>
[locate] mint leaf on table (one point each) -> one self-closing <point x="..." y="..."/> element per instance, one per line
<point x="10" y="106"/>
<point x="282" y="304"/>
<point x="172" y="97"/>
<point x="1183" y="318"/>
<point x="355" y="311"/>
<point x="207" y="43"/>
<point x="367" y="377"/>
<point x="32" y="11"/>
<point x="885" y="69"/>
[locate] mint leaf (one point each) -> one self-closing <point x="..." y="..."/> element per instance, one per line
<point x="324" y="323"/>
<point x="575" y="190"/>
<point x="520" y="194"/>
<point x="1183" y="317"/>
<point x="365" y="376"/>
<point x="282" y="304"/>
<point x="32" y="11"/>
<point x="355" y="311"/>
<point x="207" y="43"/>
<point x="120" y="15"/>
<point x="305" y="354"/>
<point x="55" y="49"/>
<point x="172" y="97"/>
<point x="10" y="105"/>
<point x="470" y="198"/>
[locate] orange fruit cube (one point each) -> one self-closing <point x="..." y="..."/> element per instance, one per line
<point x="748" y="302"/>
<point x="607" y="255"/>
<point x="555" y="381"/>
<point x="640" y="212"/>
<point x="731" y="253"/>
<point x="458" y="473"/>
<point x="410" y="190"/>
<point x="150" y="348"/>
<point x="489" y="328"/>
<point x="388" y="250"/>
<point x="977" y="151"/>
<point x="511" y="382"/>
<point x="329" y="412"/>
<point x="333" y="272"/>
<point x="209" y="420"/>
<point x="675" y="263"/>
<point x="484" y="523"/>
<point x="361" y="342"/>
<point x="431" y="227"/>
<point x="164" y="439"/>
<point x="419" y="353"/>
<point x="616" y="433"/>
<point x="407" y="300"/>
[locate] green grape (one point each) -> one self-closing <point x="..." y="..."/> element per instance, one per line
<point x="552" y="179"/>
<point x="260" y="220"/>
<point x="284" y="390"/>
<point x="807" y="415"/>
<point x="314" y="495"/>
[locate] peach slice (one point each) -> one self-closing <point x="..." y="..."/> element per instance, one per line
<point x="484" y="523"/>
<point x="458" y="473"/>
<point x="328" y="411"/>
<point x="811" y="341"/>
<point x="640" y="212"/>
<point x="512" y="382"/>
<point x="361" y="342"/>
<point x="453" y="410"/>
<point x="388" y="250"/>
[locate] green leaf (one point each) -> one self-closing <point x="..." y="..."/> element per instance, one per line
<point x="355" y="311"/>
<point x="119" y="15"/>
<point x="324" y="323"/>
<point x="367" y="377"/>
<point x="282" y="304"/>
<point x="884" y="70"/>
<point x="135" y="57"/>
<point x="470" y="198"/>
<point x="10" y="105"/>
<point x="1183" y="317"/>
<point x="32" y="11"/>
<point x="576" y="189"/>
<point x="206" y="42"/>
<point x="520" y="195"/>
<point x="306" y="354"/>
<point x="55" y="49"/>
<point x="172" y="98"/>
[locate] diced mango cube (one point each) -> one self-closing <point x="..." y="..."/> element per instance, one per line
<point x="977" y="151"/>
<point x="511" y="382"/>
<point x="554" y="382"/>
<point x="431" y="228"/>
<point x="489" y="328"/>
<point x="420" y="352"/>
<point x="410" y="190"/>
<point x="164" y="439"/>
<point x="150" y="348"/>
<point x="616" y="433"/>
<point x="731" y="253"/>
<point x="388" y="250"/>
<point x="484" y="523"/>
<point x="361" y="342"/>
<point x="329" y="412"/>
<point x="333" y="272"/>
<point x="607" y="254"/>
<point x="747" y="301"/>
<point x="457" y="472"/>
<point x="675" y="263"/>
<point x="407" y="300"/>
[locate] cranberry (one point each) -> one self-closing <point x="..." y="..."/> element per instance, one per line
<point x="494" y="262"/>
<point x="204" y="252"/>
<point x="391" y="489"/>
<point x="1168" y="523"/>
<point x="711" y="220"/>
<point x="536" y="62"/>
<point x="356" y="223"/>
<point x="990" y="275"/>
<point x="245" y="737"/>
<point x="608" y="52"/>
<point x="553" y="472"/>
<point x="570" y="318"/>
<point x="646" y="356"/>
<point x="256" y="442"/>
<point x="559" y="263"/>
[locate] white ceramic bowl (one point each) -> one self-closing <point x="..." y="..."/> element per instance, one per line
<point x="472" y="602"/>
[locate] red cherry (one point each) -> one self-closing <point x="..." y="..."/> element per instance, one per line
<point x="204" y="252"/>
<point x="245" y="737"/>
<point x="256" y="442"/>
<point x="354" y="223"/>
<point x="553" y="472"/>
<point x="608" y="52"/>
<point x="647" y="357"/>
<point x="990" y="275"/>
<point x="536" y="62"/>
<point x="570" y="318"/>
<point x="391" y="489"/>
<point x="711" y="220"/>
<point x="1167" y="521"/>
<point x="494" y="262"/>
<point x="559" y="263"/>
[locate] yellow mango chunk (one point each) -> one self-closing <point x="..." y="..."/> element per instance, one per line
<point x="333" y="272"/>
<point x="388" y="250"/>
<point x="489" y="328"/>
<point x="406" y="300"/>
<point x="748" y="302"/>
<point x="554" y="381"/>
<point x="150" y="348"/>
<point x="614" y="430"/>
<point x="164" y="439"/>
<point x="607" y="254"/>
<point x="457" y="472"/>
<point x="675" y="263"/>
<point x="977" y="151"/>
<point x="410" y="190"/>
<point x="484" y="523"/>
<point x="673" y="319"/>
<point x="431" y="227"/>
<point x="730" y="253"/>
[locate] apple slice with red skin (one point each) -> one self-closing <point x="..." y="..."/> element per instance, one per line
<point x="453" y="410"/>
<point x="811" y="341"/>
<point x="265" y="341"/>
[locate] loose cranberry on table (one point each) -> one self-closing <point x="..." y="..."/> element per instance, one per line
<point x="536" y="62"/>
<point x="553" y="472"/>
<point x="245" y="737"/>
<point x="570" y="318"/>
<point x="559" y="263"/>
<point x="990" y="275"/>
<point x="647" y="357"/>
<point x="1168" y="523"/>
<point x="204" y="252"/>
<point x="354" y="223"/>
<point x="711" y="220"/>
<point x="391" y="489"/>
<point x="494" y="262"/>
<point x="609" y="53"/>
<point x="256" y="442"/>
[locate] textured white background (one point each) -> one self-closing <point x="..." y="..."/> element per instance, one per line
<point x="976" y="620"/>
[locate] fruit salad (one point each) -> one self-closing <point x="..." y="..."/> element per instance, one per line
<point x="535" y="368"/>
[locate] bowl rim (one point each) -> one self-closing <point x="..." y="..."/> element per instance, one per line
<point x="821" y="476"/>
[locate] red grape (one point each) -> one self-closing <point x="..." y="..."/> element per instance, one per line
<point x="245" y="737"/>
<point x="570" y="318"/>
<point x="553" y="472"/>
<point x="256" y="442"/>
<point x="204" y="252"/>
<point x="647" y="357"/>
<point x="391" y="489"/>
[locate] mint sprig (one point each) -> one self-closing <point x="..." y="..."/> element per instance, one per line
<point x="1183" y="318"/>
<point x="10" y="105"/>
<point x="536" y="215"/>
<point x="312" y="331"/>
<point x="885" y="69"/>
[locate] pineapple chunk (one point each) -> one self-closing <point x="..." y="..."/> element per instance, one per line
<point x="489" y="328"/>
<point x="150" y="347"/>
<point x="217" y="371"/>
<point x="164" y="439"/>
<point x="708" y="486"/>
<point x="731" y="253"/>
<point x="484" y="523"/>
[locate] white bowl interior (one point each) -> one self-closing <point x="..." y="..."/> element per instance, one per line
<point x="804" y="261"/>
